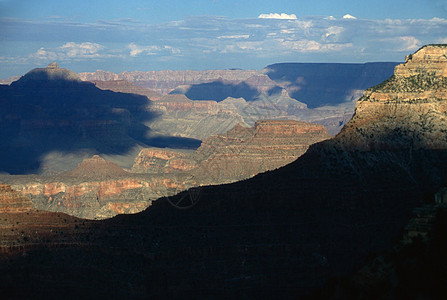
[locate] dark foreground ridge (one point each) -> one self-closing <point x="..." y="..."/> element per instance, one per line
<point x="279" y="234"/>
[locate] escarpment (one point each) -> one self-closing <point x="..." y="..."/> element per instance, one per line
<point x="407" y="110"/>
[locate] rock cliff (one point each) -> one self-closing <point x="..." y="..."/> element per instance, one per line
<point x="240" y="153"/>
<point x="409" y="110"/>
<point x="160" y="161"/>
<point x="123" y="86"/>
<point x="244" y="152"/>
<point x="164" y="82"/>
<point x="96" y="189"/>
<point x="12" y="201"/>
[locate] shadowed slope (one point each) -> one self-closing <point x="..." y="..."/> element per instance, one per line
<point x="51" y="109"/>
<point x="319" y="84"/>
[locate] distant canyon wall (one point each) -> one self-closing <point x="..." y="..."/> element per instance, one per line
<point x="164" y="82"/>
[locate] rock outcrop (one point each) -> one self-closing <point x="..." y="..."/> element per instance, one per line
<point x="244" y="152"/>
<point x="240" y="153"/>
<point x="12" y="201"/>
<point x="407" y="110"/>
<point x="161" y="161"/>
<point x="96" y="189"/>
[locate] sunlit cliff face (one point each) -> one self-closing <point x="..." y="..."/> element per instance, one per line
<point x="407" y="110"/>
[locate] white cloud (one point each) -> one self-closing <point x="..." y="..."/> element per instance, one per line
<point x="409" y="43"/>
<point x="71" y="50"/>
<point x="242" y="40"/>
<point x="82" y="50"/>
<point x="333" y="33"/>
<point x="240" y="36"/>
<point x="287" y="31"/>
<point x="348" y="16"/>
<point x="312" y="46"/>
<point x="136" y="50"/>
<point x="282" y="16"/>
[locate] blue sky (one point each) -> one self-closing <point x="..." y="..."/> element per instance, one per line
<point x="211" y="34"/>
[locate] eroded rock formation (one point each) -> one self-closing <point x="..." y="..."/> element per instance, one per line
<point x="164" y="82"/>
<point x="244" y="152"/>
<point x="240" y="153"/>
<point x="407" y="110"/>
<point x="96" y="189"/>
<point x="12" y="201"/>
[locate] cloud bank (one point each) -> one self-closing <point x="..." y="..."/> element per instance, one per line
<point x="212" y="42"/>
<point x="281" y="16"/>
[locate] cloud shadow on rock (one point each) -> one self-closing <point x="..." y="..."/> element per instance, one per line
<point x="320" y="84"/>
<point x="219" y="90"/>
<point x="41" y="113"/>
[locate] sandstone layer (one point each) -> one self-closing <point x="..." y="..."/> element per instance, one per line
<point x="240" y="153"/>
<point x="407" y="110"/>
<point x="12" y="201"/>
<point x="96" y="189"/>
<point x="244" y="152"/>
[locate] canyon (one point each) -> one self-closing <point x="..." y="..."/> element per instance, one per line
<point x="281" y="233"/>
<point x="318" y="93"/>
<point x="240" y="153"/>
<point x="98" y="189"/>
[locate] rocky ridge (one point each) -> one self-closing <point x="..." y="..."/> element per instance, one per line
<point x="164" y="82"/>
<point x="123" y="86"/>
<point x="408" y="110"/>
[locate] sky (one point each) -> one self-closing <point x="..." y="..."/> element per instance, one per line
<point x="117" y="36"/>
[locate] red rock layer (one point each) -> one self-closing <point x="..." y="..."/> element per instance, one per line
<point x="12" y="201"/>
<point x="240" y="153"/>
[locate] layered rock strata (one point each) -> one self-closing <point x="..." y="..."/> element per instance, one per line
<point x="164" y="82"/>
<point x="240" y="153"/>
<point x="96" y="189"/>
<point x="123" y="86"/>
<point x="12" y="201"/>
